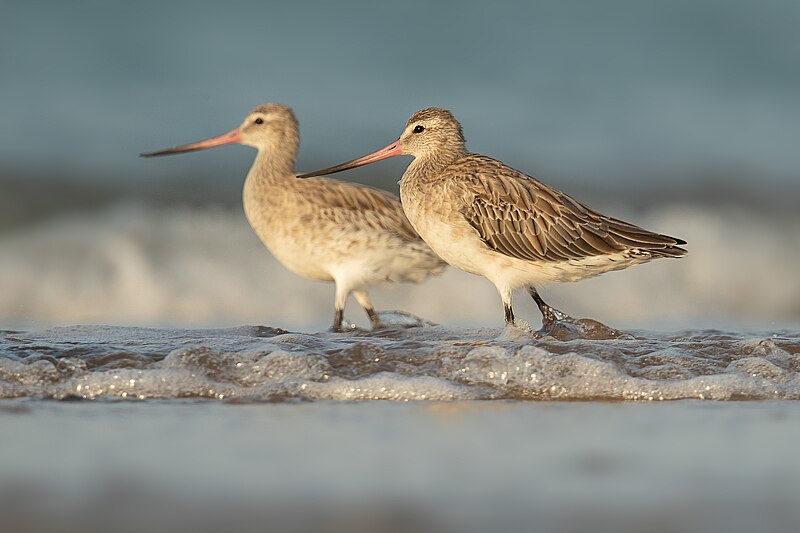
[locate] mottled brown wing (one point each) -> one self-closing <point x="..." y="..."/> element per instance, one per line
<point x="362" y="207"/>
<point x="521" y="217"/>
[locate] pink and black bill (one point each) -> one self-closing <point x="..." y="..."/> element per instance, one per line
<point x="384" y="153"/>
<point x="232" y="137"/>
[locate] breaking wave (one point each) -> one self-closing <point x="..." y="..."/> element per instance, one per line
<point x="258" y="364"/>
<point x="203" y="266"/>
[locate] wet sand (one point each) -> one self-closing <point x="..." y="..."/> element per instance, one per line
<point x="197" y="465"/>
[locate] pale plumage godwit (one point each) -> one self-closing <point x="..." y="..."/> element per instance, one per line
<point x="322" y="229"/>
<point x="483" y="217"/>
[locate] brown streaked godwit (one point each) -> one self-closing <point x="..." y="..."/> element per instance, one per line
<point x="488" y="219"/>
<point x="322" y="229"/>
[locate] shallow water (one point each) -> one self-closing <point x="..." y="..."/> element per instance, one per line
<point x="245" y="429"/>
<point x="258" y="364"/>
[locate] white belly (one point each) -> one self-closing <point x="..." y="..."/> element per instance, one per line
<point x="297" y="256"/>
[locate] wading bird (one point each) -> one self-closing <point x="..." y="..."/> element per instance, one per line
<point x="322" y="229"/>
<point x="488" y="219"/>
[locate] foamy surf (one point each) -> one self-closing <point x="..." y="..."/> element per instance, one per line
<point x="258" y="364"/>
<point x="200" y="267"/>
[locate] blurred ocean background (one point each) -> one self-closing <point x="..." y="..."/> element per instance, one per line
<point x="681" y="116"/>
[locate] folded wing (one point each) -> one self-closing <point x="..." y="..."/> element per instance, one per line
<point x="523" y="218"/>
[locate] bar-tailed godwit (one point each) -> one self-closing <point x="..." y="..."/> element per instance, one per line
<point x="322" y="229"/>
<point x="488" y="219"/>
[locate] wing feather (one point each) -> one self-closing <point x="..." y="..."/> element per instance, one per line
<point x="359" y="206"/>
<point x="518" y="216"/>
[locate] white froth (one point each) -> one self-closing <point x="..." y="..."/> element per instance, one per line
<point x="200" y="266"/>
<point x="433" y="363"/>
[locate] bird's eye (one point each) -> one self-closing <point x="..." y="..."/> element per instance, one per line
<point x="259" y="120"/>
<point x="419" y="129"/>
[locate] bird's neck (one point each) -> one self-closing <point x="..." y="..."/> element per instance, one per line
<point x="271" y="175"/>
<point x="429" y="166"/>
<point x="273" y="165"/>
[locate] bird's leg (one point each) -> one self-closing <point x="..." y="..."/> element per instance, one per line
<point x="509" y="313"/>
<point x="506" y="294"/>
<point x="373" y="317"/>
<point x="549" y="314"/>
<point x="363" y="300"/>
<point x="338" y="315"/>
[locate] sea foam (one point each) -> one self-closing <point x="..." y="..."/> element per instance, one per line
<point x="200" y="267"/>
<point x="257" y="364"/>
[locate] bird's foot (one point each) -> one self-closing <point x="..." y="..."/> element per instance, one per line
<point x="345" y="327"/>
<point x="551" y="314"/>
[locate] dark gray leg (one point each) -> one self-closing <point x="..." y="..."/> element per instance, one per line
<point x="373" y="317"/>
<point x="338" y="316"/>
<point x="549" y="314"/>
<point x="509" y="314"/>
<point x="362" y="298"/>
<point x="338" y="306"/>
